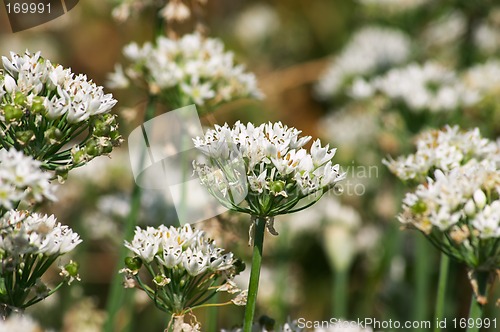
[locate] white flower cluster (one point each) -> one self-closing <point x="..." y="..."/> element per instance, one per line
<point x="274" y="164"/>
<point x="190" y="70"/>
<point x="349" y="128"/>
<point x="170" y="10"/>
<point x="464" y="205"/>
<point x="19" y="323"/>
<point x="484" y="78"/>
<point x="33" y="233"/>
<point x="21" y="179"/>
<point x="487" y="34"/>
<point x="370" y="50"/>
<point x="429" y="86"/>
<point x="61" y="92"/>
<point x="445" y="150"/>
<point x="180" y="248"/>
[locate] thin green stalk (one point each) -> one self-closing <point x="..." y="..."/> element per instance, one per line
<point x="212" y="314"/>
<point x="444" y="266"/>
<point x="480" y="281"/>
<point x="118" y="297"/>
<point x="339" y="296"/>
<point x="422" y="269"/>
<point x="475" y="312"/>
<point x="258" y="243"/>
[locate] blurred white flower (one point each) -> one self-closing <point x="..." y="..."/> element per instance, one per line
<point x="484" y="77"/>
<point x="447" y="29"/>
<point x="19" y="323"/>
<point x="349" y="128"/>
<point x="430" y="87"/>
<point x="255" y="24"/>
<point x="371" y="50"/>
<point x="22" y="179"/>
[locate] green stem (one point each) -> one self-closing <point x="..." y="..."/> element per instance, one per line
<point x="212" y="314"/>
<point x="421" y="278"/>
<point x="118" y="298"/>
<point x="480" y="281"/>
<point x="339" y="296"/>
<point x="444" y="266"/>
<point x="258" y="243"/>
<point x="475" y="312"/>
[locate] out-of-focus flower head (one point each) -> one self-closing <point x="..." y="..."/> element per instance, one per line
<point x="169" y="10"/>
<point x="371" y="50"/>
<point x="427" y="87"/>
<point x="267" y="164"/>
<point x="190" y="70"/>
<point x="22" y="179"/>
<point x="19" y="323"/>
<point x="184" y="266"/>
<point x="45" y="109"/>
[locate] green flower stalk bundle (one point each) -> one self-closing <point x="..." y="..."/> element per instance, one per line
<point x="55" y="116"/>
<point x="263" y="171"/>
<point x="180" y="269"/>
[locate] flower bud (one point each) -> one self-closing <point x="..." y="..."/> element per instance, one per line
<point x="24" y="137"/>
<point x="133" y="263"/>
<point x="52" y="135"/>
<point x="419" y="207"/>
<point x="12" y="113"/>
<point x="72" y="268"/>
<point x="37" y="105"/>
<point x="470" y="208"/>
<point x="479" y="198"/>
<point x="101" y="128"/>
<point x="20" y="99"/>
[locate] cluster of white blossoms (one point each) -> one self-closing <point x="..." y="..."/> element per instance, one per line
<point x="23" y="233"/>
<point x="486" y="32"/>
<point x="445" y="150"/>
<point x="60" y="92"/>
<point x="192" y="69"/>
<point x="175" y="257"/>
<point x="22" y="179"/>
<point x="45" y="107"/>
<point x="267" y="163"/>
<point x="349" y="128"/>
<point x="180" y="248"/>
<point x="446" y="30"/>
<point x="371" y="50"/>
<point x="427" y="87"/>
<point x="484" y="77"/>
<point x="19" y="323"/>
<point x="459" y="212"/>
